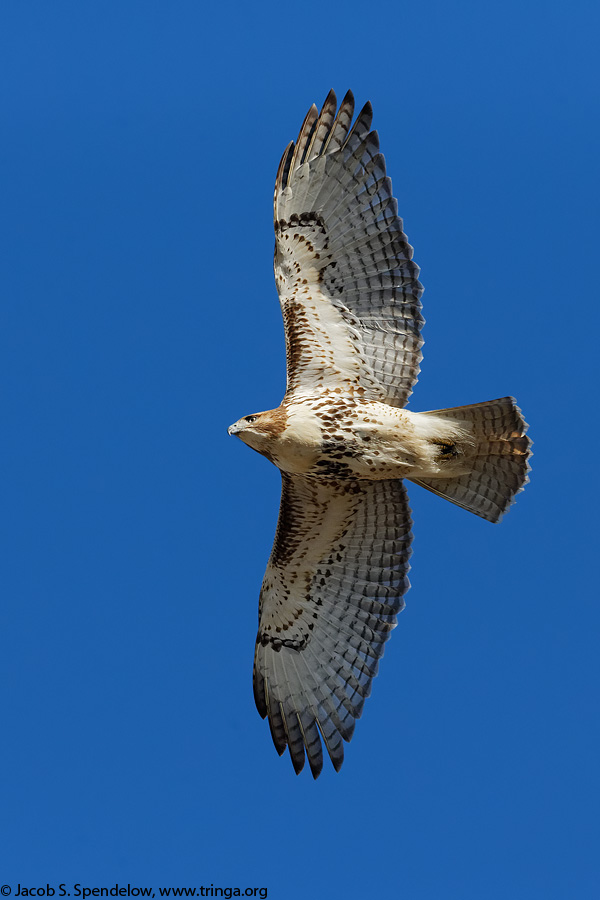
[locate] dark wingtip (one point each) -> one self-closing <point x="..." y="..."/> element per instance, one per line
<point x="337" y="763"/>
<point x="297" y="760"/>
<point x="330" y="98"/>
<point x="316" y="770"/>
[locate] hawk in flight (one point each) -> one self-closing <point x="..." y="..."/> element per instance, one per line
<point x="344" y="441"/>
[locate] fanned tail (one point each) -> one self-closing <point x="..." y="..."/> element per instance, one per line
<point x="496" y="452"/>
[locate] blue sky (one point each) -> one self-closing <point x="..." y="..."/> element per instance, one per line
<point x="139" y="318"/>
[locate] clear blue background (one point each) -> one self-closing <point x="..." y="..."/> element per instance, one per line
<point x="139" y="318"/>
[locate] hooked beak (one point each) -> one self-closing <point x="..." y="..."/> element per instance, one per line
<point x="233" y="429"/>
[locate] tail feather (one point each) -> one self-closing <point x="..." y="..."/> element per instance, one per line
<point x="495" y="450"/>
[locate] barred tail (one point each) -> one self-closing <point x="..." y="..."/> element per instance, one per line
<point x="496" y="453"/>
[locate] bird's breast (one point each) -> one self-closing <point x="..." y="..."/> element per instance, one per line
<point x="346" y="441"/>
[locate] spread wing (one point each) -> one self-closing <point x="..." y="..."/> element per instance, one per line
<point x="348" y="288"/>
<point x="331" y="592"/>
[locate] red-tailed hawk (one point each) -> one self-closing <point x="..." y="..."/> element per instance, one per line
<point x="343" y="440"/>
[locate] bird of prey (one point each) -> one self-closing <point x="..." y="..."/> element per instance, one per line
<point x="344" y="441"/>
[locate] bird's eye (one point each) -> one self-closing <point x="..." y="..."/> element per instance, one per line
<point x="251" y="418"/>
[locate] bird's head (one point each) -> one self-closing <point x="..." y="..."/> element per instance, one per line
<point x="245" y="426"/>
<point x="259" y="430"/>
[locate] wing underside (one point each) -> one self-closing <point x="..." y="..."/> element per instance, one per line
<point x="348" y="287"/>
<point x="330" y="596"/>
